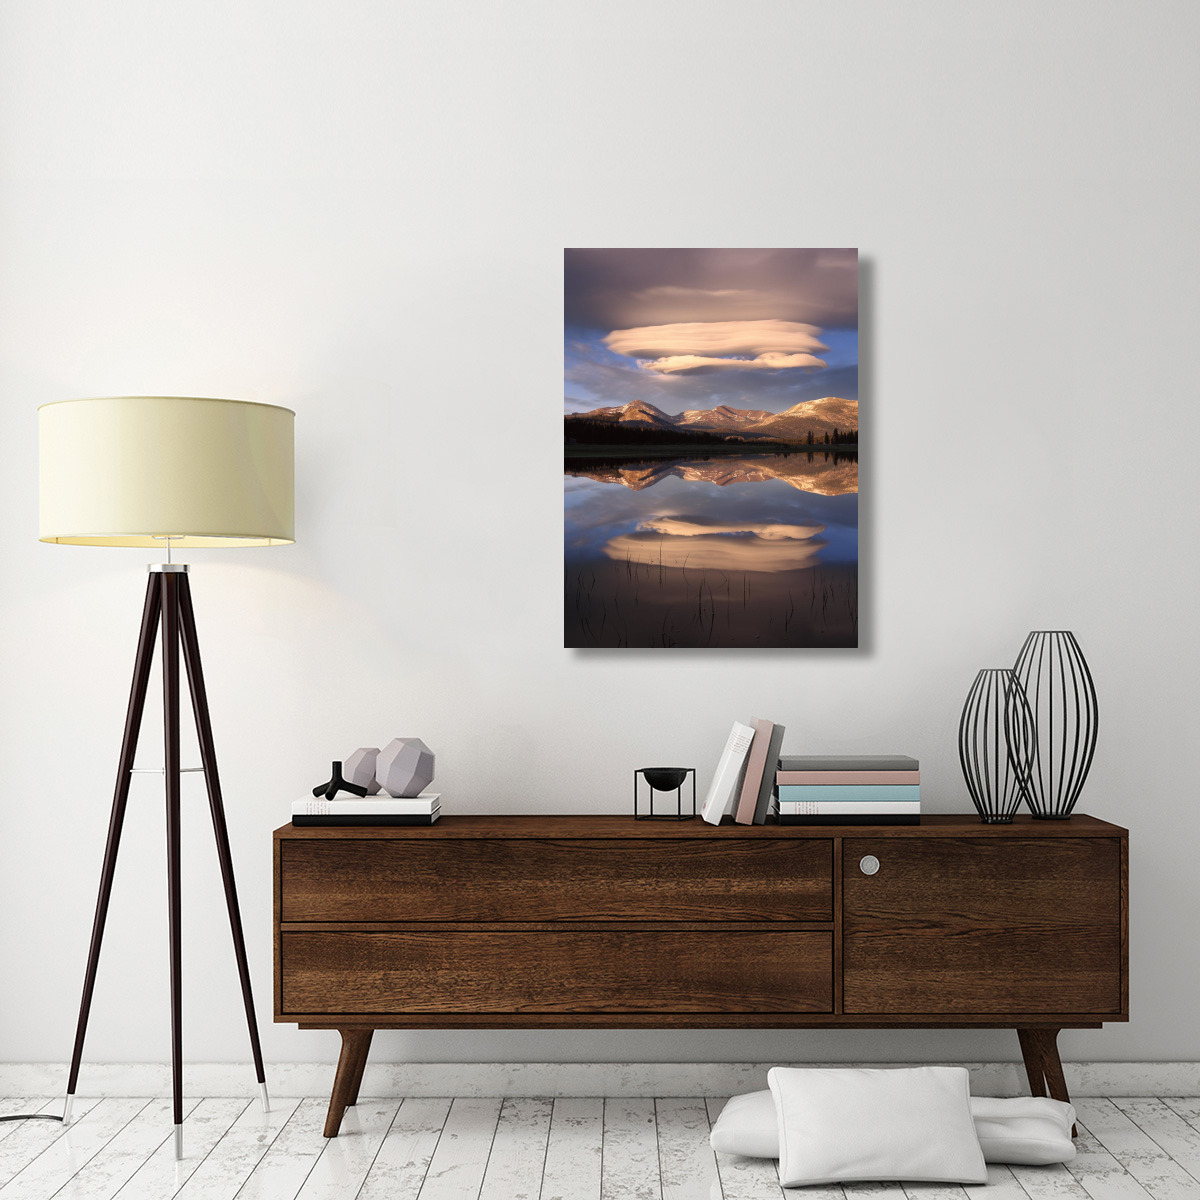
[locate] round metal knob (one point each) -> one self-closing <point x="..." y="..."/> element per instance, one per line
<point x="868" y="864"/>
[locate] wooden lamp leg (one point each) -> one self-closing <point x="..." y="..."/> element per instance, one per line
<point x="353" y="1059"/>
<point x="168" y="610"/>
<point x="169" y="649"/>
<point x="208" y="759"/>
<point x="133" y="724"/>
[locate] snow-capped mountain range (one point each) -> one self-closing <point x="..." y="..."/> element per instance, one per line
<point x="793" y="424"/>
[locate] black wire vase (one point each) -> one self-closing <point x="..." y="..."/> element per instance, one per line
<point x="1055" y="676"/>
<point x="995" y="744"/>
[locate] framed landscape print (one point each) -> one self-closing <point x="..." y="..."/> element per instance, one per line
<point x="711" y="448"/>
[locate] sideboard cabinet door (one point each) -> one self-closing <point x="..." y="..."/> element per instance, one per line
<point x="982" y="925"/>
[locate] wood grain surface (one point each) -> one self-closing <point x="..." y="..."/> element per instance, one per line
<point x="578" y="970"/>
<point x="453" y="826"/>
<point x="603" y="922"/>
<point x="967" y="926"/>
<point x="546" y="879"/>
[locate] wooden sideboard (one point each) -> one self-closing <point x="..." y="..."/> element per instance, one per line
<point x="607" y="922"/>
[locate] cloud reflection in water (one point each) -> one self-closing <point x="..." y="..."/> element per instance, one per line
<point x="744" y="551"/>
<point x="738" y="505"/>
<point x="688" y="526"/>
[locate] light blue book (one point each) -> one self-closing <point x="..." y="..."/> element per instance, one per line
<point x="854" y="793"/>
<point x="863" y="808"/>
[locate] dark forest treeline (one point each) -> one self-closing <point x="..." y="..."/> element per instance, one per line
<point x="839" y="437"/>
<point x="582" y="462"/>
<point x="586" y="431"/>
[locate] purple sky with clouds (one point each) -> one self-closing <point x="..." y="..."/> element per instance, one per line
<point x="694" y="328"/>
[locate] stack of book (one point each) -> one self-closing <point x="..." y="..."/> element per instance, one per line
<point x="855" y="789"/>
<point x="744" y="784"/>
<point x="368" y="810"/>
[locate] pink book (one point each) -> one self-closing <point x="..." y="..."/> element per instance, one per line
<point x="756" y="764"/>
<point x="855" y="777"/>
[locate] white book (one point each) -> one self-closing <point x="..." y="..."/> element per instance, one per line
<point x="726" y="784"/>
<point x="382" y="806"/>
<point x="848" y="808"/>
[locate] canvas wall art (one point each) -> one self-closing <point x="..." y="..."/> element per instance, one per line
<point x="711" y="448"/>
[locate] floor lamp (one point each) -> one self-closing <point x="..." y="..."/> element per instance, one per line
<point x="178" y="472"/>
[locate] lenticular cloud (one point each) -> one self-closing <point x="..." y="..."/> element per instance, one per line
<point x="720" y="345"/>
<point x="678" y="364"/>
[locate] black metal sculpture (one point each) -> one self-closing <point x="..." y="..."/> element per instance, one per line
<point x="1055" y="677"/>
<point x="336" y="784"/>
<point x="995" y="744"/>
<point x="664" y="779"/>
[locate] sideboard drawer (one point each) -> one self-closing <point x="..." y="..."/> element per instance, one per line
<point x="751" y="879"/>
<point x="579" y="970"/>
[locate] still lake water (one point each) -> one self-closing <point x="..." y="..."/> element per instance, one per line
<point x="718" y="550"/>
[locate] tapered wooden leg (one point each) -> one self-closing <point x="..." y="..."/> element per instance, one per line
<point x="1055" y="1080"/>
<point x="133" y="725"/>
<point x="169" y="649"/>
<point x="358" y="1074"/>
<point x="1031" y="1053"/>
<point x="1043" y="1066"/>
<point x="208" y="759"/>
<point x="355" y="1044"/>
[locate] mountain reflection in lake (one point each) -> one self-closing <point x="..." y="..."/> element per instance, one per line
<point x="720" y="550"/>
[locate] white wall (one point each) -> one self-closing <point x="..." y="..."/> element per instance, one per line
<point x="358" y="210"/>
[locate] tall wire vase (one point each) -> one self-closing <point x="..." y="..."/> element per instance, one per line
<point x="995" y="744"/>
<point x="1052" y="670"/>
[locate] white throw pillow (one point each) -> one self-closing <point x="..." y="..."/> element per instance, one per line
<point x="853" y="1123"/>
<point x="1031" y="1130"/>
<point x="747" y="1125"/>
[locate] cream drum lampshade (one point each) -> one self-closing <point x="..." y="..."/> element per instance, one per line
<point x="136" y="470"/>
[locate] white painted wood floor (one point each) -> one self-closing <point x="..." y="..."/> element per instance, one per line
<point x="520" y="1149"/>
